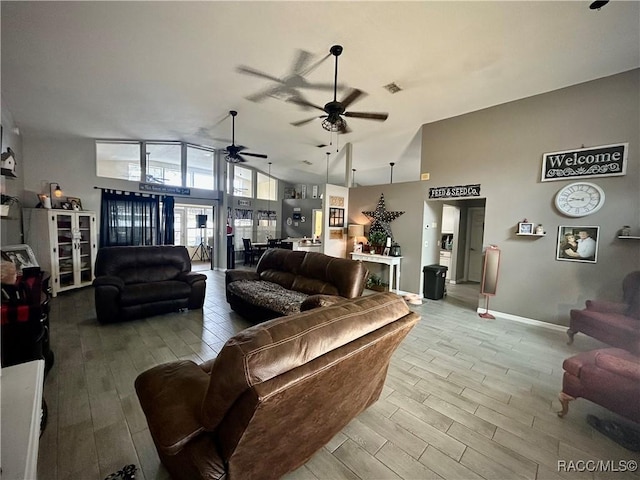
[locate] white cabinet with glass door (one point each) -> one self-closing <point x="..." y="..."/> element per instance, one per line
<point x="65" y="244"/>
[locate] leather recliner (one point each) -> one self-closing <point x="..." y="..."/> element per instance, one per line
<point x="276" y="393"/>
<point x="141" y="281"/>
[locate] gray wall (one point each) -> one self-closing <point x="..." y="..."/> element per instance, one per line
<point x="501" y="148"/>
<point x="299" y="228"/>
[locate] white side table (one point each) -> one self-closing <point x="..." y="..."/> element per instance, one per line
<point x="394" y="281"/>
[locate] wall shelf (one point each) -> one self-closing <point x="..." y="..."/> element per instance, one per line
<point x="531" y="234"/>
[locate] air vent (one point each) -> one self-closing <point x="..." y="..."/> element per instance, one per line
<point x="392" y="87"/>
<point x="307" y="162"/>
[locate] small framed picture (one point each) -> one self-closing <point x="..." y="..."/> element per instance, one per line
<point x="577" y="244"/>
<point x="525" y="228"/>
<point x="76" y="203"/>
<point x="65" y="206"/>
<point x="21" y="255"/>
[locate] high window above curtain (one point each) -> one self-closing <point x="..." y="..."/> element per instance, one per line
<point x="129" y="219"/>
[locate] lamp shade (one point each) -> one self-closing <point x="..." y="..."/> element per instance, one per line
<point x="356" y="230"/>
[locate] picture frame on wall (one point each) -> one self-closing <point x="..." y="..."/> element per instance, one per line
<point x="336" y="217"/>
<point x="577" y="243"/>
<point x="525" y="228"/>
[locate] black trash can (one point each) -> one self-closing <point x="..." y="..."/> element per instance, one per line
<point x="434" y="278"/>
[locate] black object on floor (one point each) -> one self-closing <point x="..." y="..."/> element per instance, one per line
<point x="624" y="435"/>
<point x="128" y="472"/>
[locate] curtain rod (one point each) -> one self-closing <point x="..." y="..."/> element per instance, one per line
<point x="142" y="194"/>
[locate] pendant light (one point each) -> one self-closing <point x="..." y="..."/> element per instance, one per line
<point x="353" y="177"/>
<point x="392" y="164"/>
<point x="328" y="153"/>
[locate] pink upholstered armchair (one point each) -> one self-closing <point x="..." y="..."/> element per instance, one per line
<point x="616" y="324"/>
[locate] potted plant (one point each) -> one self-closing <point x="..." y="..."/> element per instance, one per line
<point x="5" y="204"/>
<point x="377" y="240"/>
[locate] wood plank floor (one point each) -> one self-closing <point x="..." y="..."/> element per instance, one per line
<point x="465" y="398"/>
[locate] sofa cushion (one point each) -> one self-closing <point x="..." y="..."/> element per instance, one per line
<point x="138" y="293"/>
<point x="272" y="348"/>
<point x="268" y="295"/>
<point x="139" y="264"/>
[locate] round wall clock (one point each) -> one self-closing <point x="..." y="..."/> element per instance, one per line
<point x="579" y="199"/>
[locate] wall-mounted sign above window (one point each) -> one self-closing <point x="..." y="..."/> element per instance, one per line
<point x="154" y="187"/>
<point x="244" y="203"/>
<point x="601" y="161"/>
<point x="455" y="191"/>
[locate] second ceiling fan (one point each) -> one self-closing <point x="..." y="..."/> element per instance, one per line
<point x="334" y="110"/>
<point x="233" y="150"/>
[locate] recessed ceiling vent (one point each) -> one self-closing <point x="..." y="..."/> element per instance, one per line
<point x="393" y="87"/>
<point x="307" y="162"/>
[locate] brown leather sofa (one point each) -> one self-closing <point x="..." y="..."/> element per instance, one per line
<point x="276" y="393"/>
<point x="284" y="279"/>
<point x="614" y="323"/>
<point x="137" y="282"/>
<point x="609" y="377"/>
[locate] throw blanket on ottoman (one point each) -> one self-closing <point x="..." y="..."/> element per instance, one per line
<point x="268" y="295"/>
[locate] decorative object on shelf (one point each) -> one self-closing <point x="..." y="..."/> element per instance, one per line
<point x="374" y="282"/>
<point x="55" y="194"/>
<point x="625" y="231"/>
<point x="5" y="204"/>
<point x="382" y="218"/>
<point x="395" y="250"/>
<point x="76" y="203"/>
<point x="579" y="199"/>
<point x="377" y="241"/>
<point x="43" y="201"/>
<point x="577" y="244"/>
<point x="356" y="232"/>
<point x="525" y="228"/>
<point x="540" y="229"/>
<point x="8" y="163"/>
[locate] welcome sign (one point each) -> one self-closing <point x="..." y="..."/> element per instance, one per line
<point x="601" y="161"/>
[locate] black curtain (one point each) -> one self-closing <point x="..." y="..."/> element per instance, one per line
<point x="129" y="219"/>
<point x="168" y="220"/>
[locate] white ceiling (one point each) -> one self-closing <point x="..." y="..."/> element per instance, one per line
<point x="169" y="70"/>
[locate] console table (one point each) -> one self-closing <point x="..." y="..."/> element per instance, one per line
<point x="394" y="283"/>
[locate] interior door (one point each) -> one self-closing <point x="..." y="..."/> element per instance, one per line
<point x="475" y="236"/>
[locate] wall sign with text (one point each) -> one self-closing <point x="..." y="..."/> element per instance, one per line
<point x="154" y="187"/>
<point x="601" y="161"/>
<point x="455" y="191"/>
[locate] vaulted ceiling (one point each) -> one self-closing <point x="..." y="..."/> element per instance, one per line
<point x="174" y="70"/>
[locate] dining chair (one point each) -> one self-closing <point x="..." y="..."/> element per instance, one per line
<point x="249" y="252"/>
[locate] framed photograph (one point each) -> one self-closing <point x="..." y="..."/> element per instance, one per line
<point x="76" y="203"/>
<point x="577" y="244"/>
<point x="21" y="255"/>
<point x="336" y="217"/>
<point x="525" y="228"/>
<point x="65" y="206"/>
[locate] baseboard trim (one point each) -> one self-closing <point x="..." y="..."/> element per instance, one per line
<point x="528" y="321"/>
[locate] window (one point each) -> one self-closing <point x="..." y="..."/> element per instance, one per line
<point x="118" y="160"/>
<point x="242" y="227"/>
<point x="266" y="225"/>
<point x="164" y="162"/>
<point x="200" y="168"/>
<point x="242" y="182"/>
<point x="266" y="187"/>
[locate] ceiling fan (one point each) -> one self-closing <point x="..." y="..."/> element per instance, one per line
<point x="287" y="87"/>
<point x="233" y="150"/>
<point x="333" y="120"/>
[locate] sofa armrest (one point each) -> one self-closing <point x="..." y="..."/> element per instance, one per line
<point x="605" y="306"/>
<point x="191" y="277"/>
<point x="315" y="301"/>
<point x="108" y="280"/>
<point x="235" y="275"/>
<point x="627" y="366"/>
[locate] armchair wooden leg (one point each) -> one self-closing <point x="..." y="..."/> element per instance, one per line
<point x="564" y="401"/>
<point x="571" y="334"/>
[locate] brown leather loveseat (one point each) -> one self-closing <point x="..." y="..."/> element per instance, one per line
<point x="284" y="279"/>
<point x="276" y="393"/>
<point x="137" y="282"/>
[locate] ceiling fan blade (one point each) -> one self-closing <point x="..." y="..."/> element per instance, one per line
<point x="258" y="155"/>
<point x="304" y="122"/>
<point x="352" y="97"/>
<point x="257" y="73"/>
<point x="344" y="128"/>
<point x="304" y="103"/>
<point x="367" y="115"/>
<point x="312" y="67"/>
<point x="302" y="58"/>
